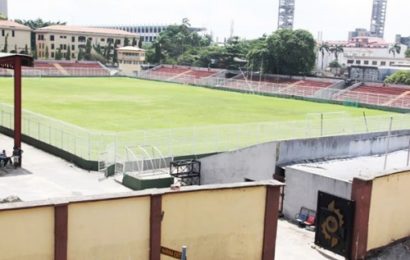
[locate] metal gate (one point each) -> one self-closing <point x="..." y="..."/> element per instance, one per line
<point x="334" y="227"/>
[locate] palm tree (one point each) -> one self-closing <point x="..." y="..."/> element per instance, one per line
<point x="323" y="48"/>
<point x="395" y="49"/>
<point x="336" y="50"/>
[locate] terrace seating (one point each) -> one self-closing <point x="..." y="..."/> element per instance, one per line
<point x="66" y="68"/>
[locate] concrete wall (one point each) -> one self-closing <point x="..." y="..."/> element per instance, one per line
<point x="27" y="234"/>
<point x="103" y="229"/>
<point x="255" y="163"/>
<point x="212" y="224"/>
<point x="259" y="162"/>
<point x="302" y="189"/>
<point x="215" y="222"/>
<point x="389" y="218"/>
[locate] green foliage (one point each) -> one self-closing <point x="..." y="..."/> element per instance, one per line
<point x="395" y="49"/>
<point x="59" y="54"/>
<point x="115" y="56"/>
<point x="175" y="41"/>
<point x="407" y="53"/>
<point x="5" y="48"/>
<point x="334" y="64"/>
<point x="336" y="50"/>
<point x="139" y="42"/>
<point x="126" y="42"/>
<point x="47" y="54"/>
<point x="284" y="52"/>
<point x="400" y="77"/>
<point x="323" y="49"/>
<point x="26" y="50"/>
<point x="80" y="54"/>
<point x="88" y="48"/>
<point x="68" y="54"/>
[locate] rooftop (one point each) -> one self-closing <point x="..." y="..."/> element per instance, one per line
<point x="365" y="167"/>
<point x="131" y="48"/>
<point x="39" y="180"/>
<point x="85" y="30"/>
<point x="9" y="24"/>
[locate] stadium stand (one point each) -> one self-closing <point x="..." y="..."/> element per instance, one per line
<point x="66" y="68"/>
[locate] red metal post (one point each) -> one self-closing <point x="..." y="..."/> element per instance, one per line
<point x="17" y="106"/>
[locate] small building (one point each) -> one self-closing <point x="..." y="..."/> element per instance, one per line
<point x="72" y="39"/>
<point x="14" y="37"/>
<point x="130" y="60"/>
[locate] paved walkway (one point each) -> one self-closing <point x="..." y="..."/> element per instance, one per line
<point x="298" y="243"/>
<point x="45" y="176"/>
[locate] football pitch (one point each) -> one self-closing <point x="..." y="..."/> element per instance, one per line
<point x="123" y="104"/>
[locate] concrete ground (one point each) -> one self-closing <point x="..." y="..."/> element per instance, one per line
<point x="294" y="242"/>
<point x="45" y="176"/>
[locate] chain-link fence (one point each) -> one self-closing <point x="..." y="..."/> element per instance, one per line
<point x="346" y="96"/>
<point x="95" y="146"/>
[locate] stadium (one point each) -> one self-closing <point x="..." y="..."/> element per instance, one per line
<point x="176" y="146"/>
<point x="187" y="111"/>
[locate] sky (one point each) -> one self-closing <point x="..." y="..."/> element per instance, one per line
<point x="250" y="19"/>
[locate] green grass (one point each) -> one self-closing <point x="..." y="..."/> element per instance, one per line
<point x="122" y="104"/>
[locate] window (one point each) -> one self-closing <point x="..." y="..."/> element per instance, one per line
<point x="358" y="62"/>
<point x="72" y="39"/>
<point x="81" y="38"/>
<point x="72" y="47"/>
<point x="41" y="37"/>
<point x="63" y="37"/>
<point x="73" y="55"/>
<point x="52" y="55"/>
<point x="374" y="62"/>
<point x="13" y="33"/>
<point x="382" y="63"/>
<point x="349" y="61"/>
<point x="391" y="63"/>
<point x="366" y="62"/>
<point x="102" y="39"/>
<point x="51" y="37"/>
<point x="2" y="32"/>
<point x="52" y="46"/>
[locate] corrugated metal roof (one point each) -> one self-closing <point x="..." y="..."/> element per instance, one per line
<point x="85" y="30"/>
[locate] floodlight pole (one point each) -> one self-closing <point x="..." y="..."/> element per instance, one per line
<point x="17" y="109"/>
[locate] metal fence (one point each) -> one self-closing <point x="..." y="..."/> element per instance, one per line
<point x="260" y="87"/>
<point x="54" y="72"/>
<point x="106" y="146"/>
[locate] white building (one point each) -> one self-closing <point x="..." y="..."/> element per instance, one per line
<point x="364" y="51"/>
<point x="70" y="39"/>
<point x="14" y="37"/>
<point x="130" y="60"/>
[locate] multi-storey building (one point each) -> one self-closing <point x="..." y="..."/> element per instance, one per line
<point x="147" y="33"/>
<point x="71" y="39"/>
<point x="378" y="18"/>
<point x="14" y="37"/>
<point x="286" y="14"/>
<point x="130" y="59"/>
<point x="403" y="40"/>
<point x="3" y="8"/>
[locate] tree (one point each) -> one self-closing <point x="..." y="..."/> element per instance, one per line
<point x="68" y="54"/>
<point x="115" y="56"/>
<point x="139" y="42"/>
<point x="134" y="42"/>
<point x="284" y="52"/>
<point x="323" y="49"/>
<point x="59" y="54"/>
<point x="400" y="77"/>
<point x="5" y="48"/>
<point x="126" y="42"/>
<point x="395" y="49"/>
<point x="80" y="54"/>
<point x="336" y="50"/>
<point x="407" y="53"/>
<point x="88" y="48"/>
<point x="26" y="49"/>
<point x="47" y="54"/>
